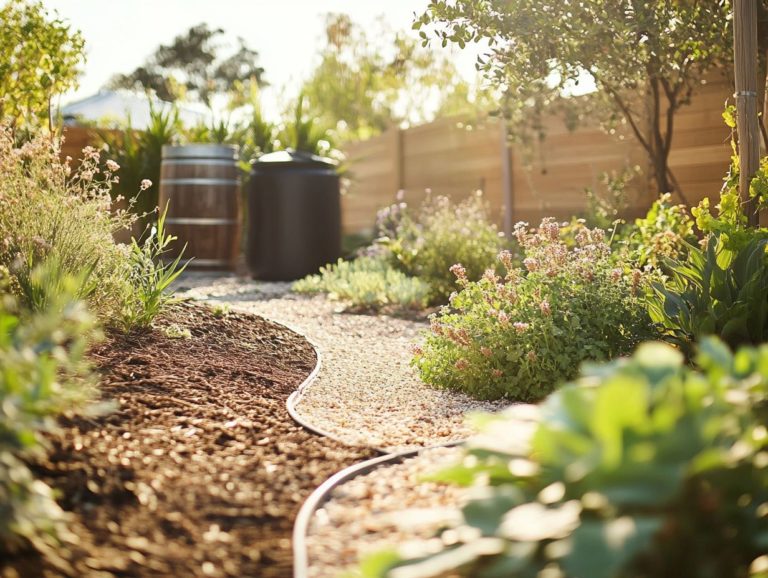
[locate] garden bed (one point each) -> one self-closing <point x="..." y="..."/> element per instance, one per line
<point x="198" y="470"/>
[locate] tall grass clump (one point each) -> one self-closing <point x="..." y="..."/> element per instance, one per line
<point x="51" y="213"/>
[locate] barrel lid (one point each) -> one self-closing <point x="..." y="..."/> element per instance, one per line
<point x="293" y="158"/>
<point x="200" y="150"/>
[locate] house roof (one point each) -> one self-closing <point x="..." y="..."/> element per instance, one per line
<point x="120" y="105"/>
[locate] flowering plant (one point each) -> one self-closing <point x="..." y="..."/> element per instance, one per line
<point x="54" y="214"/>
<point x="518" y="335"/>
<point x="426" y="242"/>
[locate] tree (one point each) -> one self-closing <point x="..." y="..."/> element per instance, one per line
<point x="645" y="57"/>
<point x="191" y="67"/>
<point x="39" y="58"/>
<point x="366" y="82"/>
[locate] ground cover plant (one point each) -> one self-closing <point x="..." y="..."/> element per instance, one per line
<point x="518" y="334"/>
<point x="642" y="467"/>
<point x="368" y="283"/>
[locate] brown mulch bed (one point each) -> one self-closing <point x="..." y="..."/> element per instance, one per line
<point x="198" y="470"/>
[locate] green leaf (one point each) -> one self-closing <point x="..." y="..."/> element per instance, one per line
<point x="601" y="549"/>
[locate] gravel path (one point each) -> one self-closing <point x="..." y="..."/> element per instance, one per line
<point x="389" y="506"/>
<point x="366" y="393"/>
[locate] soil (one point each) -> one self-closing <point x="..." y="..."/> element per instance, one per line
<point x="198" y="470"/>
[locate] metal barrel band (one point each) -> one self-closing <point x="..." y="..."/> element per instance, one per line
<point x="199" y="161"/>
<point x="199" y="221"/>
<point x="202" y="181"/>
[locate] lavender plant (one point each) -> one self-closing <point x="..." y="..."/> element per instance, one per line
<point x="518" y="335"/>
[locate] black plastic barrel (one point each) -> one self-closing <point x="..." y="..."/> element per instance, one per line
<point x="294" y="215"/>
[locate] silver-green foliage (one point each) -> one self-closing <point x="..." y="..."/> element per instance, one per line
<point x="43" y="373"/>
<point x="367" y="283"/>
<point x="643" y="467"/>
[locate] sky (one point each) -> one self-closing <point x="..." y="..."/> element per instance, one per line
<point x="287" y="34"/>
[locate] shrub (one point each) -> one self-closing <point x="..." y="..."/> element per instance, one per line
<point x="42" y="374"/>
<point x="517" y="336"/>
<point x="48" y="213"/>
<point x="367" y="283"/>
<point x="426" y="244"/>
<point x="644" y="467"/>
<point x="718" y="291"/>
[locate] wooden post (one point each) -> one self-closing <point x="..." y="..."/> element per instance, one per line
<point x="507" y="192"/>
<point x="745" y="70"/>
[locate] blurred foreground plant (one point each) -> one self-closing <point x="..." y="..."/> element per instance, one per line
<point x="43" y="373"/>
<point x="643" y="467"/>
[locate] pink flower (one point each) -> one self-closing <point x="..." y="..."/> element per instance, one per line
<point x="497" y="373"/>
<point x="503" y="318"/>
<point x="616" y="275"/>
<point x="460" y="272"/>
<point x="486" y="351"/>
<point x="545" y="308"/>
<point x="145" y="184"/>
<point x="461" y="364"/>
<point x="490" y="275"/>
<point x="531" y="264"/>
<point x="506" y="259"/>
<point x="112" y="166"/>
<point x="520" y="326"/>
<point x="532" y="356"/>
<point x="417" y="351"/>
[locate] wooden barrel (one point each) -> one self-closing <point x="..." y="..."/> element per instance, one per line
<point x="201" y="184"/>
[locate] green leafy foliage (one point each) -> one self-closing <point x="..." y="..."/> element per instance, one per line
<point x="50" y="214"/>
<point x="39" y="58"/>
<point x="150" y="277"/>
<point x="519" y="335"/>
<point x="539" y="50"/>
<point x="367" y="283"/>
<point x="369" y="80"/>
<point x="665" y="231"/>
<point x="642" y="467"/>
<point x="428" y="242"/>
<point x="43" y="373"/>
<point x="716" y="291"/>
<point x="193" y="67"/>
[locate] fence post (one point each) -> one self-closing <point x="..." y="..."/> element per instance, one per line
<point x="507" y="191"/>
<point x="745" y="74"/>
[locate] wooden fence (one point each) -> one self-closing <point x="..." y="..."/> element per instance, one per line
<point x="453" y="158"/>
